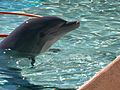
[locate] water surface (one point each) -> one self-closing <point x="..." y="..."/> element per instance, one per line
<point x="83" y="52"/>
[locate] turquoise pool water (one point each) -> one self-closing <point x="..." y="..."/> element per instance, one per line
<point x="83" y="52"/>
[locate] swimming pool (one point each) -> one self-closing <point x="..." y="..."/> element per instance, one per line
<point x="82" y="53"/>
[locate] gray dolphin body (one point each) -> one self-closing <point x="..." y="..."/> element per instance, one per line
<point x="36" y="35"/>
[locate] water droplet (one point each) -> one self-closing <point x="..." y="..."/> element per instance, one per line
<point x="17" y="62"/>
<point x="4" y="52"/>
<point x="23" y="78"/>
<point x="26" y="22"/>
<point x="11" y="57"/>
<point x="9" y="49"/>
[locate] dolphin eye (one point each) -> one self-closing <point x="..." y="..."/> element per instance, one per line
<point x="42" y="34"/>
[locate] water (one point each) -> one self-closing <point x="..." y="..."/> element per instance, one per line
<point x="83" y="52"/>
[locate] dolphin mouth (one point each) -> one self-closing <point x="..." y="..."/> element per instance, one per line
<point x="66" y="27"/>
<point x="71" y="25"/>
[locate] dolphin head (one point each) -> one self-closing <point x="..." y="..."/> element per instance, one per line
<point x="36" y="35"/>
<point x="55" y="29"/>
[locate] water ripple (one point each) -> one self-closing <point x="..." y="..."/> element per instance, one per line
<point x="82" y="52"/>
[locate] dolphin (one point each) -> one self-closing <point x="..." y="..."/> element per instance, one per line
<point x="36" y="35"/>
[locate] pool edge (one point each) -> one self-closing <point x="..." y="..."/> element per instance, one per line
<point x="106" y="79"/>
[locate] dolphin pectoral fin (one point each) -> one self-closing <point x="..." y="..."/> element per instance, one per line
<point x="33" y="61"/>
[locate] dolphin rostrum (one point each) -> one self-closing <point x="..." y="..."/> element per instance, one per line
<point x="36" y="35"/>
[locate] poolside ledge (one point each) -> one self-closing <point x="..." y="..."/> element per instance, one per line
<point x="107" y="79"/>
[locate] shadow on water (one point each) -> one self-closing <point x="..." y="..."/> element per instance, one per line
<point x="12" y="79"/>
<point x="16" y="80"/>
<point x="10" y="75"/>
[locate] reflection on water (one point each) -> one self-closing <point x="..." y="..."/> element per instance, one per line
<point x="80" y="54"/>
